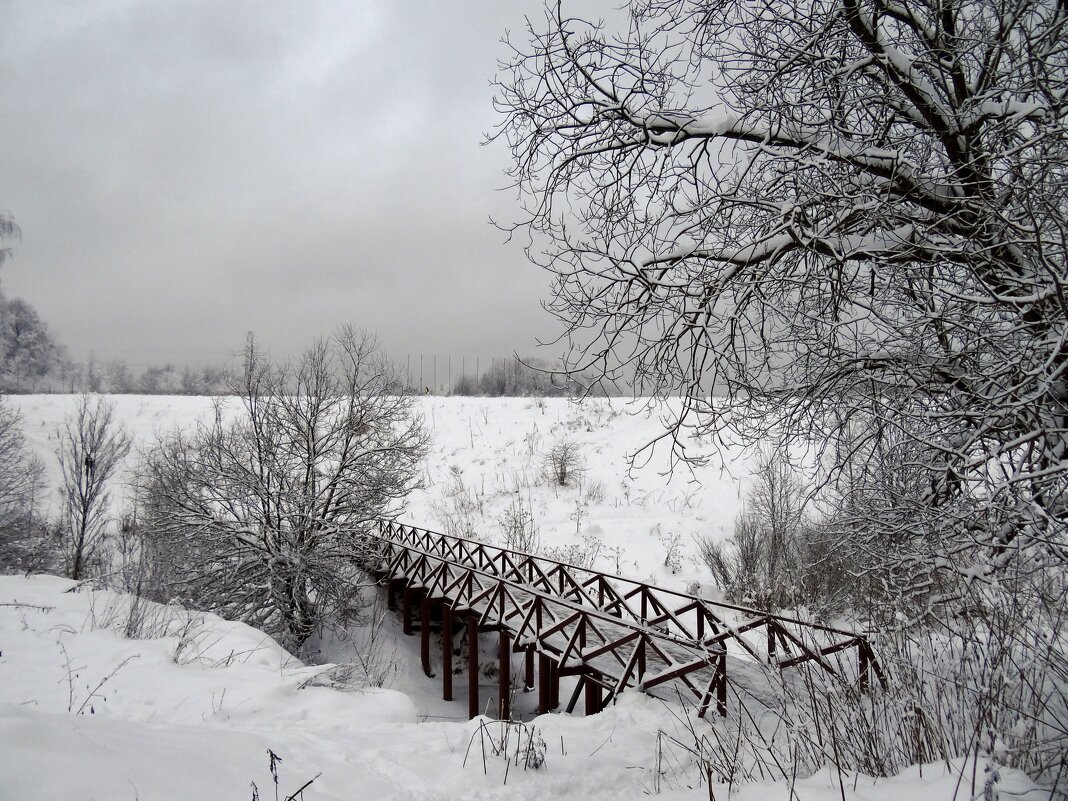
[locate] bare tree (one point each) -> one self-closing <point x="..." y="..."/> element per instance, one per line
<point x="257" y="514"/>
<point x="761" y="564"/>
<point x="779" y="554"/>
<point x="851" y="219"/>
<point x="92" y="447"/>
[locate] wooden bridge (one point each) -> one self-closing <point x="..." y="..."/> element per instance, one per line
<point x="611" y="632"/>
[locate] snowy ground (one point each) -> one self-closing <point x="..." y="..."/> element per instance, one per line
<point x="189" y="709"/>
<point x="491" y="450"/>
<point x="188" y="705"/>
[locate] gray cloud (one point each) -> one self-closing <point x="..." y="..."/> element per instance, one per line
<point x="188" y="171"/>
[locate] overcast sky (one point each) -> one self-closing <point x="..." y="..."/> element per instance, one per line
<point x="184" y="172"/>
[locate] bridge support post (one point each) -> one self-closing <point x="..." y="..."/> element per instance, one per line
<point x="528" y="671"/>
<point x="391" y="594"/>
<point x="721" y="688"/>
<point x="424" y="633"/>
<point x="504" y="676"/>
<point x="406" y="609"/>
<point x="544" y="679"/>
<point x="446" y="651"/>
<point x="472" y="665"/>
<point x="593" y="692"/>
<point x="554" y="684"/>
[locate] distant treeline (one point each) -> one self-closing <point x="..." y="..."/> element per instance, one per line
<point x="529" y="377"/>
<point x="510" y="377"/>
<point x="34" y="362"/>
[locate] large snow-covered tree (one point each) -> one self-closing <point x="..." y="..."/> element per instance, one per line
<point x="28" y="351"/>
<point x="257" y="513"/>
<point x="848" y="217"/>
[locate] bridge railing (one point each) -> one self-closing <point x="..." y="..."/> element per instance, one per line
<point x="616" y="631"/>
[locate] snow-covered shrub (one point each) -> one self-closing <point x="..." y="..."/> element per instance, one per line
<point x="518" y="744"/>
<point x="672" y="549"/>
<point x="581" y="554"/>
<point x="29" y="545"/>
<point x="519" y="531"/>
<point x="777" y="557"/>
<point x="137" y="618"/>
<point x="461" y="509"/>
<point x="614" y="557"/>
<point x="532" y="440"/>
<point x="563" y="464"/>
<point x="374" y="661"/>
<point x="130" y="561"/>
<point x="595" y="492"/>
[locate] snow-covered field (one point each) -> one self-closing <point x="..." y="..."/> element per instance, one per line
<point x="490" y="451"/>
<point x="187" y="705"/>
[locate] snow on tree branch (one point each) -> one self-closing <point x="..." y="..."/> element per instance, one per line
<point x="846" y="225"/>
